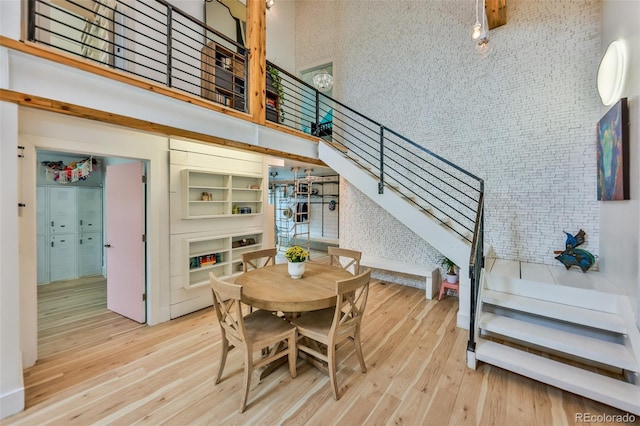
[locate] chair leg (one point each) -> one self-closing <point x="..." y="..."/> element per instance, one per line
<point x="248" y="368"/>
<point x="293" y="354"/>
<point x="331" y="354"/>
<point x="356" y="342"/>
<point x="223" y="358"/>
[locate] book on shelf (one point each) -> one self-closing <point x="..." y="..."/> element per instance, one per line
<point x="196" y="262"/>
<point x="271" y="103"/>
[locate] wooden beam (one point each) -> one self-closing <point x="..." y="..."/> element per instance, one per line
<point x="256" y="43"/>
<point x="134" y="123"/>
<point x="496" y="13"/>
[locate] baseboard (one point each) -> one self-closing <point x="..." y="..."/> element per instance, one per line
<point x="11" y="403"/>
<point x="463" y="320"/>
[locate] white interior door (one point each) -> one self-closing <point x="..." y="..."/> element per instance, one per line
<point x="124" y="240"/>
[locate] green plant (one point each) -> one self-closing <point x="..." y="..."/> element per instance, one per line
<point x="276" y="82"/>
<point x="448" y="265"/>
<point x="296" y="254"/>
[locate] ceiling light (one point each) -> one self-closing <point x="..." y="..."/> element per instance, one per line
<point x="270" y="3"/>
<point x="477" y="28"/>
<point x="323" y="81"/>
<point x="483" y="46"/>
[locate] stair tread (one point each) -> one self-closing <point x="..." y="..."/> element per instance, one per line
<point x="616" y="393"/>
<point x="573" y="314"/>
<point x="604" y="352"/>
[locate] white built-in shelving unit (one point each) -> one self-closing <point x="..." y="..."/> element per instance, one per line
<point x="211" y="194"/>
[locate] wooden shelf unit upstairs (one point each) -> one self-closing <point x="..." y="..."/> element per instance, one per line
<point x="223" y="76"/>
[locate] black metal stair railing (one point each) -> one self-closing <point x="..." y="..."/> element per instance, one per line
<point x="158" y="42"/>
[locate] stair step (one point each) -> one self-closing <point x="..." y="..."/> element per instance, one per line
<point x="572" y="314"/>
<point x="615" y="393"/>
<point x="601" y="351"/>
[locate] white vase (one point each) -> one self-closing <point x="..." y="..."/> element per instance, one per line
<point x="296" y="269"/>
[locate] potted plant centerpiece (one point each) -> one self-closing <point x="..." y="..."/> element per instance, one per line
<point x="296" y="256"/>
<point x="450" y="267"/>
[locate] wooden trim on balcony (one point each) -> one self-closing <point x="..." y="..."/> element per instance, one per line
<point x="134" y="123"/>
<point x="52" y="105"/>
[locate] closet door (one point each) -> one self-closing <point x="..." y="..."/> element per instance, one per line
<point x="89" y="209"/>
<point x="41" y="210"/>
<point x="62" y="257"/>
<point x="43" y="259"/>
<point x="62" y="210"/>
<point x="89" y="253"/>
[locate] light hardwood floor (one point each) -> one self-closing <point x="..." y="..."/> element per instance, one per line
<point x="99" y="368"/>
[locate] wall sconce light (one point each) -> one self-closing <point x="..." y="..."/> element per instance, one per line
<point x="270" y="3"/>
<point x="323" y="81"/>
<point x="612" y="72"/>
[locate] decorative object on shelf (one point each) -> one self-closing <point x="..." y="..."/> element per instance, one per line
<point x="613" y="153"/>
<point x="323" y="81"/>
<point x="57" y="171"/>
<point x="450" y="268"/>
<point x="612" y="72"/>
<point x="296" y="256"/>
<point x="571" y="255"/>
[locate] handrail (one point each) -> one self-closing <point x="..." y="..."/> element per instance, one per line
<point x="476" y="264"/>
<point x="179" y="55"/>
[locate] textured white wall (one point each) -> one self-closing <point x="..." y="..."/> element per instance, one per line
<point x="620" y="220"/>
<point x="523" y="118"/>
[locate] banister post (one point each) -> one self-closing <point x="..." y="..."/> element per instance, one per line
<point x="381" y="180"/>
<point x="169" y="43"/>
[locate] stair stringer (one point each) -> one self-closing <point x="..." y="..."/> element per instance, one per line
<point x="431" y="230"/>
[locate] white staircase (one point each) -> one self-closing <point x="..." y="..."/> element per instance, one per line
<point x="581" y="340"/>
<point x="420" y="219"/>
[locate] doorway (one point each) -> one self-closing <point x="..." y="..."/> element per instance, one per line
<point x="72" y="232"/>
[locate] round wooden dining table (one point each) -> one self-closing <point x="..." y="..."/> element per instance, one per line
<point x="271" y="288"/>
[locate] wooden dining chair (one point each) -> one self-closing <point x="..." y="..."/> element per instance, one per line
<point x="258" y="259"/>
<point x="352" y="256"/>
<point x="253" y="332"/>
<point x="332" y="326"/>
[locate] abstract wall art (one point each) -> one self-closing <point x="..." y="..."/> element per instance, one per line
<point x="613" y="153"/>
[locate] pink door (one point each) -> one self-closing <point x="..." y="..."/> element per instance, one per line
<point x="124" y="241"/>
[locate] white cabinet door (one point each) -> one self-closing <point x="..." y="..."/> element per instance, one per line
<point x="41" y="210"/>
<point x="43" y="259"/>
<point x="89" y="253"/>
<point x="89" y="209"/>
<point x="62" y="257"/>
<point x="62" y="210"/>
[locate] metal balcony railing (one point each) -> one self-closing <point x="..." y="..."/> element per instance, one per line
<point x="157" y="41"/>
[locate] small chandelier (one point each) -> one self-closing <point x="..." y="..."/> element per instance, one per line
<point x="323" y="81"/>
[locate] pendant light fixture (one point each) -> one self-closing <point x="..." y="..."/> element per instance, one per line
<point x="477" y="28"/>
<point x="323" y="81"/>
<point x="482" y="45"/>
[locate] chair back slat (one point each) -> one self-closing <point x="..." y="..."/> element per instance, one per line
<point x="352" y="294"/>
<point x="336" y="254"/>
<point x="258" y="259"/>
<point x="226" y="302"/>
